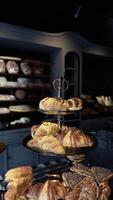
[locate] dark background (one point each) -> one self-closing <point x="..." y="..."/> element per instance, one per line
<point x="97" y="75"/>
<point x="91" y="18"/>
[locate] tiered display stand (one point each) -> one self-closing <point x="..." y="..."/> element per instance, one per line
<point x="74" y="154"/>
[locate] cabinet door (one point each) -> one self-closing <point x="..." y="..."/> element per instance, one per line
<point x="72" y="74"/>
<point x="18" y="155"/>
<point x="3" y="162"/>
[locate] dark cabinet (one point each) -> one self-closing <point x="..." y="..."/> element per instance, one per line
<point x="72" y="75"/>
<point x="16" y="154"/>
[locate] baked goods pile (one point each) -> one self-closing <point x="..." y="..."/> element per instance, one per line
<point x="19" y="180"/>
<point x="59" y="104"/>
<point x="87" y="183"/>
<point x="79" y="183"/>
<point x="27" y="67"/>
<point x="50" y="138"/>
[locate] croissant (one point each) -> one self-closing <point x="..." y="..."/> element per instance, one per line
<point x="75" y="103"/>
<point x="46" y="128"/>
<point x="50" y="137"/>
<point x="59" y="104"/>
<point x="50" y="190"/>
<point x="19" y="180"/>
<point x="76" y="138"/>
<point x="10" y="195"/>
<point x="105" y="193"/>
<point x="47" y="144"/>
<point x="20" y="185"/>
<point x="18" y="172"/>
<point x="54" y="103"/>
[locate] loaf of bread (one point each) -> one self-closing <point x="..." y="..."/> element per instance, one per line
<point x="37" y="69"/>
<point x="4" y="110"/>
<point x="12" y="67"/>
<point x="25" y="67"/>
<point x="21" y="108"/>
<point x="2" y="66"/>
<point x="59" y="104"/>
<point x="3" y="81"/>
<point x="6" y="97"/>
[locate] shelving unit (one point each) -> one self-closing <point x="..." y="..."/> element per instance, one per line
<point x="35" y="86"/>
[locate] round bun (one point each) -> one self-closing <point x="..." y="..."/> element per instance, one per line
<point x="12" y="67"/>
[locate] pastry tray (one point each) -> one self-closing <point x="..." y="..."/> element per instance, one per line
<point x="68" y="151"/>
<point x="55" y="112"/>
